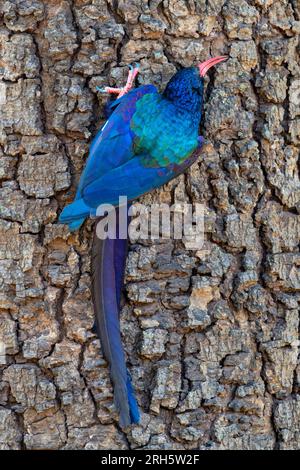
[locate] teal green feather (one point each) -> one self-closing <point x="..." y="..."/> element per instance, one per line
<point x="164" y="133"/>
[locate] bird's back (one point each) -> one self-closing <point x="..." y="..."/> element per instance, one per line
<point x="164" y="134"/>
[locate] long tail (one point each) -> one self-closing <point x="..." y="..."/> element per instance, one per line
<point x="108" y="264"/>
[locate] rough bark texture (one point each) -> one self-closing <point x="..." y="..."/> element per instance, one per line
<point x="211" y="336"/>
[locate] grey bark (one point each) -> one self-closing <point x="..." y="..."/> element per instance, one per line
<point x="211" y="336"/>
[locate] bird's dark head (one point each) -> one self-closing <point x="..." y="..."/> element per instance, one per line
<point x="186" y="87"/>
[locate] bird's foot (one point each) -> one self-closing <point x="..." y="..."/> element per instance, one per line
<point x="133" y="71"/>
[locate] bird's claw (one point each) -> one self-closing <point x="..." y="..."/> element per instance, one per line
<point x="133" y="71"/>
<point x="101" y="90"/>
<point x="135" y="65"/>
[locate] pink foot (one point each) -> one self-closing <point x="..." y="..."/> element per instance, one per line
<point x="133" y="71"/>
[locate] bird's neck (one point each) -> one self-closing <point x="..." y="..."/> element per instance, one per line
<point x="188" y="115"/>
<point x="187" y="110"/>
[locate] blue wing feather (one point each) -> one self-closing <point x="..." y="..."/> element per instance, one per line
<point x="110" y="148"/>
<point x="131" y="179"/>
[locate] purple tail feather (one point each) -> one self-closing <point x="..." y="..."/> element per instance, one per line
<point x="108" y="265"/>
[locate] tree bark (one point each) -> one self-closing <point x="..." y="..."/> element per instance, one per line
<point x="211" y="335"/>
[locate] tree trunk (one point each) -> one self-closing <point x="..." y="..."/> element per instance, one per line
<point x="211" y="335"/>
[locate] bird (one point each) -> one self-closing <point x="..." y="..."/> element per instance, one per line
<point x="148" y="139"/>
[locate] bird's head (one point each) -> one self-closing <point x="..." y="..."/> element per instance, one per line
<point x="185" y="88"/>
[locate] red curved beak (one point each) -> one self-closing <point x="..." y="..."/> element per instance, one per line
<point x="205" y="66"/>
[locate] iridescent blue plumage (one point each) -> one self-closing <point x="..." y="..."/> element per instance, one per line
<point x="148" y="139"/>
<point x="111" y="147"/>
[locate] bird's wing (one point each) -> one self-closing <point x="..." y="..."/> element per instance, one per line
<point x="162" y="138"/>
<point x="111" y="146"/>
<point x="132" y="179"/>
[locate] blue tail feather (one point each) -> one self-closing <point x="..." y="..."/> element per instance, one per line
<point x="133" y="406"/>
<point x="108" y="263"/>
